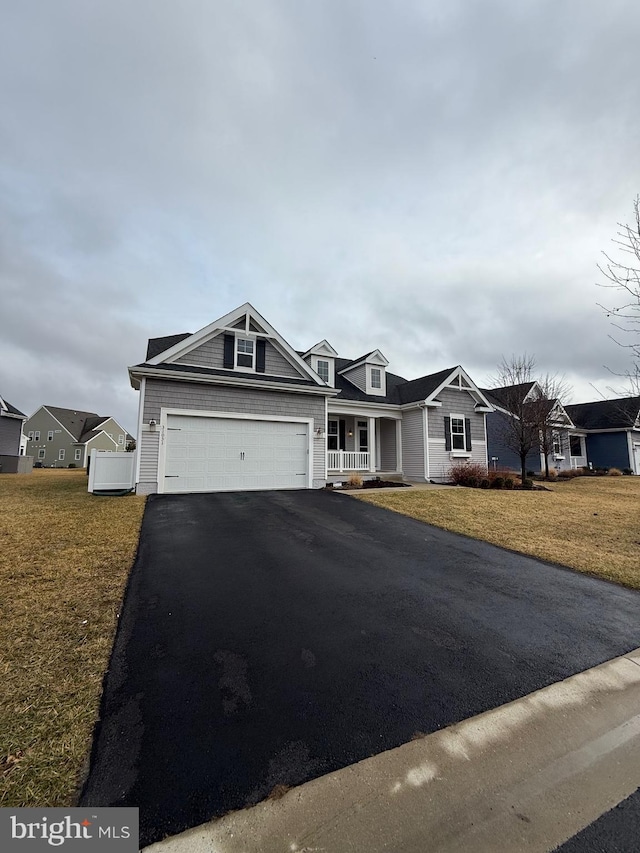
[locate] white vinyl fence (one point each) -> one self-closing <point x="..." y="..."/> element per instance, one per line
<point x="111" y="471"/>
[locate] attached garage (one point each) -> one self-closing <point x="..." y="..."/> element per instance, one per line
<point x="213" y="452"/>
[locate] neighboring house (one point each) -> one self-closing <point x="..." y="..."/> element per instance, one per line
<point x="603" y="434"/>
<point x="61" y="437"/>
<point x="235" y="407"/>
<point x="568" y="442"/>
<point x="612" y="430"/>
<point x="12" y="457"/>
<point x="11" y="420"/>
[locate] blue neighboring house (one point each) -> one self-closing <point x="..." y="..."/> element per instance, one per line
<point x="612" y="430"/>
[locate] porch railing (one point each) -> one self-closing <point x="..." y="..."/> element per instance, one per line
<point x="347" y="460"/>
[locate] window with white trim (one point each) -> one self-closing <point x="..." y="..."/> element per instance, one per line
<point x="50" y="435"/>
<point x="458" y="437"/>
<point x="77" y="454"/>
<point x="557" y="444"/>
<point x="245" y="352"/>
<point x="30" y="436"/>
<point x="36" y="435"/>
<point x="575" y="445"/>
<point x="61" y="454"/>
<point x="332" y="435"/>
<point x="41" y="453"/>
<point x="322" y="369"/>
<point x="120" y="439"/>
<point x="376" y="377"/>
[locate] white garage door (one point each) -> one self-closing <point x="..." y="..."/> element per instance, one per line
<point x="212" y="454"/>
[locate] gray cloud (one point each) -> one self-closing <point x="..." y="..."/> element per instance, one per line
<point x="436" y="180"/>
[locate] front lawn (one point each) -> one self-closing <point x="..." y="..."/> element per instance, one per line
<point x="589" y="523"/>
<point x="64" y="560"/>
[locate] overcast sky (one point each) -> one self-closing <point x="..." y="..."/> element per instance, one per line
<point x="433" y="179"/>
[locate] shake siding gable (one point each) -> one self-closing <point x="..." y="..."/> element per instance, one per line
<point x="358" y="377"/>
<point x="460" y="403"/>
<point x="168" y="394"/>
<point x="211" y="354"/>
<point x="413" y="444"/>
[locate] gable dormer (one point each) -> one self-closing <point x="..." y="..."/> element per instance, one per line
<point x="322" y="358"/>
<point x="242" y="343"/>
<point x="368" y="373"/>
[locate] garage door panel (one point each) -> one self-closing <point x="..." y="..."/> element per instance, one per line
<point x="227" y="454"/>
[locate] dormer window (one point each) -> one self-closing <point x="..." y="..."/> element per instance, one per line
<point x="376" y="377"/>
<point x="245" y="352"/>
<point x="322" y="369"/>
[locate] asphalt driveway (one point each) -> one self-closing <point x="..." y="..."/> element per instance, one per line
<point x="268" y="638"/>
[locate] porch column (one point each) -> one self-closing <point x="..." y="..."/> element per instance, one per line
<point x="371" y="434"/>
<point x="399" y="446"/>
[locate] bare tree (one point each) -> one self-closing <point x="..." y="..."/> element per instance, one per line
<point x="543" y="409"/>
<point x="514" y="381"/>
<point x="533" y="405"/>
<point x="623" y="275"/>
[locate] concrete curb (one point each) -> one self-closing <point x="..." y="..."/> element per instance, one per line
<point x="525" y="776"/>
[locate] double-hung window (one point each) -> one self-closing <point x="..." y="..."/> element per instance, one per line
<point x="322" y="369"/>
<point x="245" y="352"/>
<point x="50" y="435"/>
<point x="458" y="439"/>
<point x="61" y="454"/>
<point x="557" y="444"/>
<point x="41" y="453"/>
<point x="77" y="454"/>
<point x="332" y="435"/>
<point x="376" y="377"/>
<point x="36" y="435"/>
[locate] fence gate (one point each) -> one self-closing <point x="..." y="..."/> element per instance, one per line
<point x="111" y="471"/>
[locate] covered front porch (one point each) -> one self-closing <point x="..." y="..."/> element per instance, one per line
<point x="363" y="443"/>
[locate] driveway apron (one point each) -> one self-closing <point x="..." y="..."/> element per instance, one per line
<point x="267" y="638"/>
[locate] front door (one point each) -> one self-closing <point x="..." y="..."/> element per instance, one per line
<point x="363" y="436"/>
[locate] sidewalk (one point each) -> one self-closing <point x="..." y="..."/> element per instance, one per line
<point x="525" y="776"/>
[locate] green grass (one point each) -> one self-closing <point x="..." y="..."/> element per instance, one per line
<point x="64" y="559"/>
<point x="589" y="523"/>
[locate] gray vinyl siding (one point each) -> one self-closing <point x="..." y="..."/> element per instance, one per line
<point x="10" y="429"/>
<point x="113" y="427"/>
<point x="42" y="421"/>
<point x="358" y="377"/>
<point x="277" y="365"/>
<point x="387" y="445"/>
<point x="210" y="398"/>
<point x="211" y="354"/>
<point x="460" y="403"/>
<point x="441" y="459"/>
<point x="413" y="444"/>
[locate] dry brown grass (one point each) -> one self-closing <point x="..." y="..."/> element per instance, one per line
<point x="590" y="524"/>
<point x="64" y="560"/>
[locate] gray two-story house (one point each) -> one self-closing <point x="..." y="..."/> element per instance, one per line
<point x="63" y="438"/>
<point x="235" y="407"/>
<point x="12" y="460"/>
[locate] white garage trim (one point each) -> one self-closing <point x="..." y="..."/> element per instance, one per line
<point x="165" y="413"/>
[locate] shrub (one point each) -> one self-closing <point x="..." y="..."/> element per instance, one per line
<point x="72" y="465"/>
<point x="484" y="483"/>
<point x="467" y="473"/>
<point x="552" y="473"/>
<point x="627" y="471"/>
<point x="509" y="482"/>
<point x="566" y="474"/>
<point x="527" y="483"/>
<point x="354" y="481"/>
<point x="615" y="472"/>
<point x="497" y="482"/>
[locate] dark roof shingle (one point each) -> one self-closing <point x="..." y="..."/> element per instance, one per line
<point x="605" y="414"/>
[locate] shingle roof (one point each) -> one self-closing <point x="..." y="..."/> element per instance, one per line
<point x="12" y="409"/>
<point x="605" y="414"/>
<point x="399" y="390"/>
<point x="82" y="425"/>
<point x="348" y="362"/>
<point x="212" y="371"/>
<point x="501" y="396"/>
<point x="73" y="420"/>
<point x="157" y="345"/>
